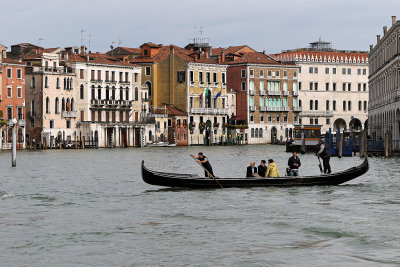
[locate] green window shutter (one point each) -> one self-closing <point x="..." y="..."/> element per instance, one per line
<point x="261" y="85"/>
<point x="294" y="102"/>
<point x="261" y="101"/>
<point x="285" y="102"/>
<point x="285" y="86"/>
<point x="251" y="101"/>
<point x="294" y="87"/>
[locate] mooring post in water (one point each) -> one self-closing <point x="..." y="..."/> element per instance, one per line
<point x="83" y="142"/>
<point x="303" y="141"/>
<point x="362" y="152"/>
<point x="340" y="148"/>
<point x="386" y="145"/>
<point x="13" y="124"/>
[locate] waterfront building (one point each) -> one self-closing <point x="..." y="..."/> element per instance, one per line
<point x="50" y="99"/>
<point x="384" y="82"/>
<point x="266" y="96"/>
<point x="12" y="99"/>
<point x="107" y="91"/>
<point x="332" y="86"/>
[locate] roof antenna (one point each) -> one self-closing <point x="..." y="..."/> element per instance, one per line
<point x="82" y="39"/>
<point x="40" y="40"/>
<point x="90" y="42"/>
<point x="201" y="30"/>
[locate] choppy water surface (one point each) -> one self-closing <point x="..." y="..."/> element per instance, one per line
<point x="90" y="207"/>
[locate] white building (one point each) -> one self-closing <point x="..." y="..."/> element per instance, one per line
<point x="333" y="86"/>
<point x="384" y="80"/>
<point x="107" y="91"/>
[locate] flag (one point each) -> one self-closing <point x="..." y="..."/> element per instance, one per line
<point x="201" y="95"/>
<point x="206" y="94"/>
<point x="218" y="95"/>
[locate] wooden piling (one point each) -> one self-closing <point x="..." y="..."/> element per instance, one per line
<point x="386" y="145"/>
<point x="390" y="144"/>
<point x="362" y="151"/>
<point x="76" y="142"/>
<point x="83" y="142"/>
<point x="340" y="147"/>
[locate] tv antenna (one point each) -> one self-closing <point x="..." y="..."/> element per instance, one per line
<point x="40" y="40"/>
<point x="90" y="36"/>
<point x="201" y="30"/>
<point x="82" y="39"/>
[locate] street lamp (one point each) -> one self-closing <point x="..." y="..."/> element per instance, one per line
<point x="13" y="123"/>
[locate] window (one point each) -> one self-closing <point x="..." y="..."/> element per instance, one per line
<point x="223" y="77"/>
<point x="243" y="86"/>
<point x="252" y="133"/>
<point x="261" y="73"/>
<point x="358" y="71"/>
<point x="349" y="71"/>
<point x="344" y="105"/>
<point x="311" y="121"/>
<point x="251" y="73"/>
<point x="136" y="77"/>
<point x="243" y="73"/>
<point x="315" y="86"/>
<point x="56" y="106"/>
<point x="58" y="83"/>
<point x="364" y="71"/>
<point x="349" y="105"/>
<point x="277" y="73"/>
<point x="334" y="86"/>
<point x="51" y="126"/>
<point x="99" y="116"/>
<point x="316" y="105"/>
<point x="359" y="87"/>
<point x="136" y="94"/>
<point x="316" y="120"/>
<point x="285" y="73"/>
<point x="269" y="73"/>
<point x="327" y="105"/>
<point x="343" y="71"/>
<point x="82" y="92"/>
<point x="215" y="77"/>
<point x="9" y="113"/>
<point x="311" y="104"/>
<point x="181" y="76"/>
<point x="99" y="75"/>
<point x="33" y="82"/>
<point x="9" y="73"/>
<point x="285" y="118"/>
<point x="81" y="76"/>
<point x="299" y="86"/>
<point x="251" y="117"/>
<point x="19" y="92"/>
<point x="9" y="91"/>
<point x="311" y="85"/>
<point x="201" y="80"/>
<point x="334" y="105"/>
<point x="262" y="118"/>
<point x="326" y="70"/>
<point x="364" y="87"/>
<point x="208" y="77"/>
<point x="327" y="86"/>
<point x="328" y="121"/>
<point x="310" y="70"/>
<point x="147" y="71"/>
<point x="68" y="124"/>
<point x="334" y="70"/>
<point x="349" y="87"/>
<point x="47" y="105"/>
<point x="315" y="70"/>
<point x="46" y="82"/>
<point x="365" y="105"/>
<point x="191" y="76"/>
<point x="269" y="118"/>
<point x="299" y="69"/>
<point x="19" y="73"/>
<point x="294" y="74"/>
<point x="344" y="87"/>
<point x="359" y="105"/>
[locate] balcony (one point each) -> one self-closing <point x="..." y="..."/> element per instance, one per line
<point x="285" y="108"/>
<point x="262" y="92"/>
<point x="21" y="123"/>
<point x="216" y="111"/>
<point x="317" y="113"/>
<point x="125" y="82"/>
<point x="295" y="93"/>
<point x="253" y="108"/>
<point x="252" y="92"/>
<point x="274" y="92"/>
<point x="96" y="102"/>
<point x="285" y="93"/>
<point x="223" y="85"/>
<point x="125" y="103"/>
<point x="297" y="109"/>
<point x="215" y="84"/>
<point x="69" y="114"/>
<point x="191" y="83"/>
<point x="59" y="70"/>
<point x="96" y="81"/>
<point x="262" y="108"/>
<point x="110" y="102"/>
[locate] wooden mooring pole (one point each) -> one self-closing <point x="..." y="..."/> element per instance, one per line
<point x="340" y="147"/>
<point x="362" y="152"/>
<point x="386" y="145"/>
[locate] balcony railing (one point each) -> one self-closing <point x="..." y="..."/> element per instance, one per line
<point x="297" y="109"/>
<point x="317" y="113"/>
<point x="253" y="108"/>
<point x="222" y="111"/>
<point x="96" y="81"/>
<point x="21" y="123"/>
<point x="69" y="114"/>
<point x="295" y="93"/>
<point x="252" y="92"/>
<point x="263" y="108"/>
<point x="125" y="82"/>
<point x="274" y="92"/>
<point x="262" y="92"/>
<point x="285" y="93"/>
<point x="37" y="69"/>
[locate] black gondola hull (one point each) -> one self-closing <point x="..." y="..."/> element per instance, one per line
<point x="194" y="181"/>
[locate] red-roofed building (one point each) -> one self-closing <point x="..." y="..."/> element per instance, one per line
<point x="333" y="86"/>
<point x="12" y="99"/>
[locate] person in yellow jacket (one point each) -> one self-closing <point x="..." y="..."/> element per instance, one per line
<point x="272" y="170"/>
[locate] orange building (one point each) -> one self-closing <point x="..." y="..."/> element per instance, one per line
<point x="12" y="100"/>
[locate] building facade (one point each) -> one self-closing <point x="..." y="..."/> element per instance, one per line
<point x="106" y="91"/>
<point x="333" y="86"/>
<point x="384" y="82"/>
<point x="267" y="103"/>
<point x="12" y="100"/>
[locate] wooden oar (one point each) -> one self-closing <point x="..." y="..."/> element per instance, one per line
<point x="320" y="166"/>
<point x="209" y="174"/>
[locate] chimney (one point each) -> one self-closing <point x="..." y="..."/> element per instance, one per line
<point x="219" y="59"/>
<point x="223" y="56"/>
<point x="378" y="38"/>
<point x="264" y="52"/>
<point x="207" y="54"/>
<point x="394" y="20"/>
<point x="171" y="49"/>
<point x="371" y="47"/>
<point x="87" y="58"/>
<point x="384" y="30"/>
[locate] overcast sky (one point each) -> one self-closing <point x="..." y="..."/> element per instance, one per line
<point x="262" y="24"/>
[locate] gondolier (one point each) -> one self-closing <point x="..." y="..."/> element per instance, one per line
<point x="324" y="153"/>
<point x="205" y="163"/>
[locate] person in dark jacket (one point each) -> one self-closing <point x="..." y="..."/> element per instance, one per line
<point x="262" y="169"/>
<point x="205" y="163"/>
<point x="294" y="164"/>
<point x="252" y="170"/>
<point x="324" y="153"/>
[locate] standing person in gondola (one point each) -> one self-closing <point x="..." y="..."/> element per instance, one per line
<point x="324" y="153"/>
<point x="294" y="164"/>
<point x="205" y="163"/>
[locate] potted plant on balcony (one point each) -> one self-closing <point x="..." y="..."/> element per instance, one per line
<point x="216" y="124"/>
<point x="2" y="121"/>
<point x="202" y="126"/>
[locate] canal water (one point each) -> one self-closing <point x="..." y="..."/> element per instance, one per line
<point x="90" y="207"/>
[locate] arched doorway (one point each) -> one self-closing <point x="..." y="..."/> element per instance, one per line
<point x="274" y="133"/>
<point x="208" y="132"/>
<point x="355" y="125"/>
<point x="150" y="88"/>
<point x="339" y="123"/>
<point x="150" y="136"/>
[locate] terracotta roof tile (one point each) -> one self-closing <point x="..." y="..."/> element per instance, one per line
<point x="253" y="57"/>
<point x="7" y="60"/>
<point x="322" y="56"/>
<point x="131" y="50"/>
<point x="98" y="58"/>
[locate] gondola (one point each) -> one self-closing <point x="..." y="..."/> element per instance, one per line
<point x="196" y="181"/>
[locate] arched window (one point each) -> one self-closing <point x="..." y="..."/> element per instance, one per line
<point x="46" y="82"/>
<point x="261" y="86"/>
<point x="72" y="104"/>
<point x="260" y="133"/>
<point x="327" y="104"/>
<point x="256" y="133"/>
<point x="65" y="83"/>
<point x="365" y="105"/>
<point x="113" y="92"/>
<point x="251" y="85"/>
<point x="68" y="105"/>
<point x="82" y="92"/>
<point x="70" y="84"/>
<point x="47" y="105"/>
<point x="63" y="104"/>
<point x="33" y="82"/>
<point x="93" y="92"/>
<point x="344" y="105"/>
<point x="334" y="105"/>
<point x="136" y="94"/>
<point x="299" y="103"/>
<point x="311" y="104"/>
<point x="359" y="105"/>
<point x="316" y="105"/>
<point x="127" y="93"/>
<point x="56" y="106"/>
<point x="121" y="93"/>
<point x="349" y="105"/>
<point x="58" y="83"/>
<point x="107" y="92"/>
<point x="99" y="92"/>
<point x="252" y="133"/>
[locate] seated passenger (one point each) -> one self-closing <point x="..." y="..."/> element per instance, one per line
<point x="252" y="170"/>
<point x="262" y="169"/>
<point x="272" y="170"/>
